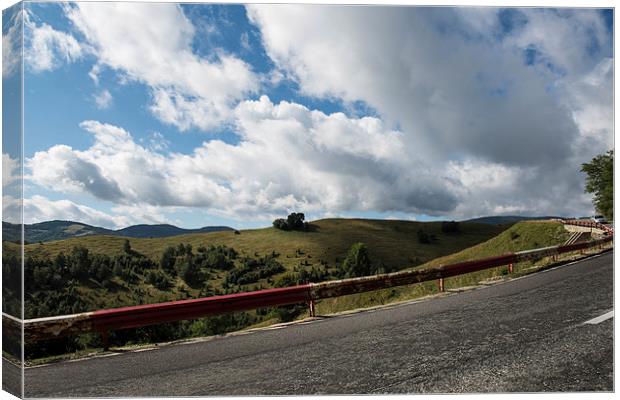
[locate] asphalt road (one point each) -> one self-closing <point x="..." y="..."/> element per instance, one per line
<point x="526" y="335"/>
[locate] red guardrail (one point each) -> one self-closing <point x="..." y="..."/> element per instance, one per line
<point x="588" y="224"/>
<point x="137" y="316"/>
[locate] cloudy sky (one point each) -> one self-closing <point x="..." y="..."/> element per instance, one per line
<point x="206" y="114"/>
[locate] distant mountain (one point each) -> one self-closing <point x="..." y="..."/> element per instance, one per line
<point x="58" y="230"/>
<point x="145" y="231"/>
<point x="505" y="219"/>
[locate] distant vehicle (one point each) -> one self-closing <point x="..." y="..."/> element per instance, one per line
<point x="600" y="219"/>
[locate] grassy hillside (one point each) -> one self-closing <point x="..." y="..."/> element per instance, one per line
<point x="524" y="235"/>
<point x="394" y="243"/>
<point x="262" y="258"/>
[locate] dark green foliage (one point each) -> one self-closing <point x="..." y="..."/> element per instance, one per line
<point x="79" y="263"/>
<point x="127" y="246"/>
<point x="357" y="262"/>
<point x="217" y="257"/>
<point x="450" y="227"/>
<point x="424" y="237"/>
<point x="294" y="222"/>
<point x="252" y="270"/>
<point x="11" y="285"/>
<point x="190" y="272"/>
<point x="280" y="223"/>
<point x="159" y="279"/>
<point x="600" y="182"/>
<point x="167" y="260"/>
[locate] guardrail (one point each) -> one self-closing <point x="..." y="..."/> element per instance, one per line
<point x="104" y="321"/>
<point x="588" y="224"/>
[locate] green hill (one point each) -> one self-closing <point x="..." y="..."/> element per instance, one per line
<point x="59" y="230"/>
<point x="393" y="243"/>
<point x="97" y="272"/>
<point x="523" y="235"/>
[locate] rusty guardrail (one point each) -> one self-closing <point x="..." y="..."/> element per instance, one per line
<point x="104" y="321"/>
<point x="588" y="224"/>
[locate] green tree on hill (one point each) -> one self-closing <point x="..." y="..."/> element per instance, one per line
<point x="294" y="222"/>
<point x="357" y="262"/>
<point x="600" y="182"/>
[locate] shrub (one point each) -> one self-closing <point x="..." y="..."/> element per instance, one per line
<point x="423" y="237"/>
<point x="450" y="227"/>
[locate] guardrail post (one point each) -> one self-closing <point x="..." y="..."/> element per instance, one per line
<point x="510" y="269"/>
<point x="312" y="308"/>
<point x="105" y="340"/>
<point x="441" y="285"/>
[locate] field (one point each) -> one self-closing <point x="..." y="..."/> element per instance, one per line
<point x="393" y="243"/>
<point x="521" y="236"/>
<point x="326" y="243"/>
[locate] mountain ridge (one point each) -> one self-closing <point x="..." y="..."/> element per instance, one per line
<point x="61" y="229"/>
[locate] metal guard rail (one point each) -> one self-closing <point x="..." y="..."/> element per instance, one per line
<point x="104" y="321"/>
<point x="589" y="224"/>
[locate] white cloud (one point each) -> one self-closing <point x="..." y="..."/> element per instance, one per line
<point x="11" y="41"/>
<point x="461" y="92"/>
<point x="10" y="170"/>
<point x="289" y="158"/>
<point x="40" y="209"/>
<point x="157" y="142"/>
<point x="151" y="43"/>
<point x="47" y="48"/>
<point x="479" y="131"/>
<point x="103" y="99"/>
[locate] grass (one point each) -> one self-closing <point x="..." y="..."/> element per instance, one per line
<point x="394" y="243"/>
<point x="524" y="235"/>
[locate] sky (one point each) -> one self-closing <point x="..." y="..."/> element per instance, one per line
<point x="200" y="114"/>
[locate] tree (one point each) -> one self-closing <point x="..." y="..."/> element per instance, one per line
<point x="294" y="221"/>
<point x="168" y="259"/>
<point x="423" y="237"/>
<point x="450" y="227"/>
<point x="280" y="223"/>
<point x="357" y="262"/>
<point x="600" y="182"/>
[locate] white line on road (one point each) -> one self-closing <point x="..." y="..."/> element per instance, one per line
<point x="601" y="318"/>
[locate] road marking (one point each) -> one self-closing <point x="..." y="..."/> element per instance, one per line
<point x="601" y="318"/>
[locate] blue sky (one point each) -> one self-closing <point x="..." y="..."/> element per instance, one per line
<point x="227" y="115"/>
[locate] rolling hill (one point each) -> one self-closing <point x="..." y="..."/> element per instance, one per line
<point x="58" y="230"/>
<point x="393" y="243"/>
<point x="524" y="235"/>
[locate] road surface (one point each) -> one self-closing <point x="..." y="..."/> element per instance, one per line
<point x="525" y="335"/>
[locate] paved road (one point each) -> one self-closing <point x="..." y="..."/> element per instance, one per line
<point x="526" y="335"/>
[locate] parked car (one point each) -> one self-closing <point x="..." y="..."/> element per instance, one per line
<point x="600" y="219"/>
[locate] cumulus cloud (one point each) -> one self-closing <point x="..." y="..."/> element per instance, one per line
<point x="151" y="43"/>
<point x="458" y="84"/>
<point x="473" y="117"/>
<point x="11" y="41"/>
<point x="289" y="158"/>
<point x="39" y="209"/>
<point x="47" y="48"/>
<point x="103" y="99"/>
<point x="10" y="170"/>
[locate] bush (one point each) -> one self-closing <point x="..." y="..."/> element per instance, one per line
<point x="281" y="224"/>
<point x="159" y="279"/>
<point x="423" y="237"/>
<point x="357" y="262"/>
<point x="450" y="227"/>
<point x="294" y="222"/>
